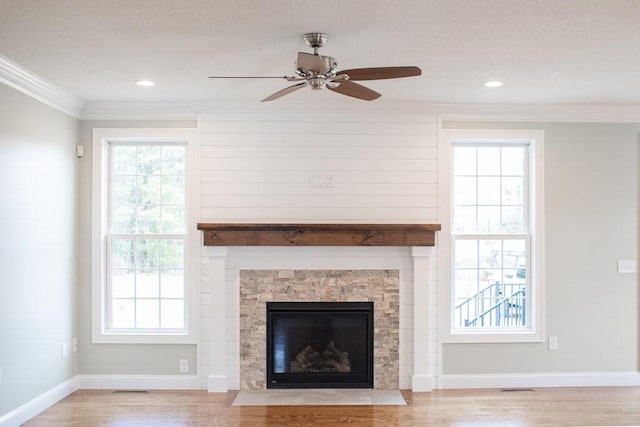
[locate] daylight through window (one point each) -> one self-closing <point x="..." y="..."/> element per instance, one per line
<point x="146" y="237"/>
<point x="491" y="242"/>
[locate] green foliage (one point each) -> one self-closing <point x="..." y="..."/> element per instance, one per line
<point x="148" y="189"/>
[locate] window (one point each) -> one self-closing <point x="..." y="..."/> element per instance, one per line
<point x="143" y="258"/>
<point x="495" y="235"/>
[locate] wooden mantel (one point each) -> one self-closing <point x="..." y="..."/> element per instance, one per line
<point x="222" y="234"/>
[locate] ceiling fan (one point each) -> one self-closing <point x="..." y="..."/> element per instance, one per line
<point x="319" y="71"/>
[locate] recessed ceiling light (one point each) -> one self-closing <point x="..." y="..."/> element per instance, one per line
<point x="145" y="83"/>
<point x="493" y="83"/>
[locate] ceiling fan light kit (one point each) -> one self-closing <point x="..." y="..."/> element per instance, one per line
<point x="319" y="72"/>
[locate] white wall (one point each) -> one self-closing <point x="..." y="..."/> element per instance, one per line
<point x="38" y="254"/>
<point x="346" y="166"/>
<point x="591" y="179"/>
<point x="281" y="166"/>
<point x="117" y="359"/>
<point x="381" y="166"/>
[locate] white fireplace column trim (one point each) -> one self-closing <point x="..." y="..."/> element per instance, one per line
<point x="422" y="379"/>
<point x="221" y="263"/>
<point x="217" y="380"/>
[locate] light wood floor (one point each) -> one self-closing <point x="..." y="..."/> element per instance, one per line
<point x="540" y="407"/>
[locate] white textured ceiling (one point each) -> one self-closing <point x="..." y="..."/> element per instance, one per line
<point x="546" y="51"/>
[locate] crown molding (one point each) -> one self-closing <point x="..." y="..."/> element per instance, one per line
<point x="191" y="110"/>
<point x="540" y="113"/>
<point x="23" y="80"/>
<point x="139" y="111"/>
<point x="445" y="112"/>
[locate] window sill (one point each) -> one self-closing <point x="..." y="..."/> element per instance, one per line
<point x="143" y="338"/>
<point x="488" y="336"/>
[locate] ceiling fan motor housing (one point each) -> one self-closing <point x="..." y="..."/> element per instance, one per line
<point x="321" y="65"/>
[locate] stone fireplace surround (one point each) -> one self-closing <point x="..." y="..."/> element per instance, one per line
<point x="223" y="267"/>
<point x="257" y="287"/>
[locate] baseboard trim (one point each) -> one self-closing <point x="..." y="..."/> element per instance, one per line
<point x="421" y="383"/>
<point x="217" y="384"/>
<point x="563" y="379"/>
<point x="33" y="407"/>
<point x="139" y="382"/>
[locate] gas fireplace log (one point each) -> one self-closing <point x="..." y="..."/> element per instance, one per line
<point x="308" y="357"/>
<point x="343" y="364"/>
<point x="331" y="360"/>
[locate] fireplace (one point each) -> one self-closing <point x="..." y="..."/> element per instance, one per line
<point x="239" y="279"/>
<point x="257" y="288"/>
<point x="319" y="344"/>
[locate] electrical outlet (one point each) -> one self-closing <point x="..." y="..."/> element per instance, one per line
<point x="553" y="343"/>
<point x="626" y="266"/>
<point x="74" y="345"/>
<point x="64" y="350"/>
<point x="184" y="366"/>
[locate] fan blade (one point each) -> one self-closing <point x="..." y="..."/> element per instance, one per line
<point x="285" y="91"/>
<point x="355" y="90"/>
<point x="381" y="73"/>
<point x="310" y="62"/>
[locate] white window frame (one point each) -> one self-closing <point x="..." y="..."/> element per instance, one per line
<point x="534" y="332"/>
<point x="102" y="137"/>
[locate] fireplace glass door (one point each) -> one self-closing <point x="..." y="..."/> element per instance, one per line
<point x="320" y="345"/>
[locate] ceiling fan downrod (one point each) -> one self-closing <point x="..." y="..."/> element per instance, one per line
<point x="315" y="40"/>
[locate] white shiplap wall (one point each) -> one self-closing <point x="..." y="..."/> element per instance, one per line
<point x="340" y="167"/>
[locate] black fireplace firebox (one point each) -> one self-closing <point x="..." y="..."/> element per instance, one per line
<point x="320" y="345"/>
